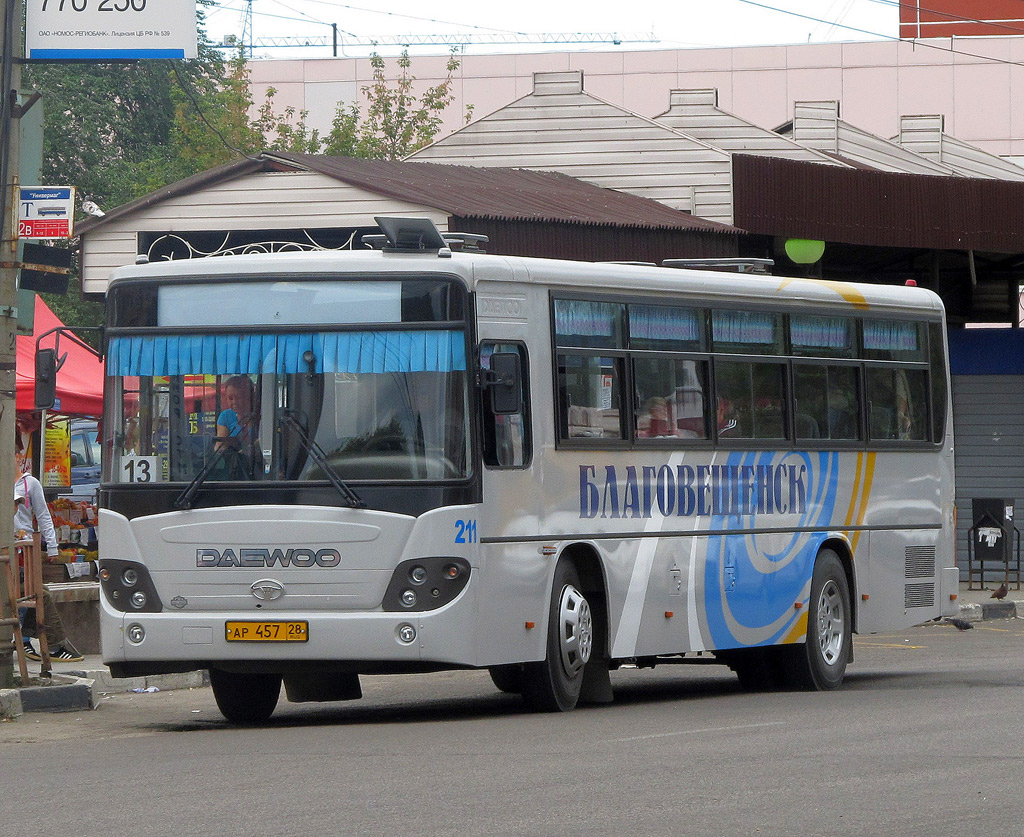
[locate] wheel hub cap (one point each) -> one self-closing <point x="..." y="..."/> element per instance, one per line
<point x="576" y="630"/>
<point x="831" y="623"/>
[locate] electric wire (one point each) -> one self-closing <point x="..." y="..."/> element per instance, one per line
<point x="884" y="37"/>
<point x="461" y="24"/>
<point x="195" y="104"/>
<point x="952" y="17"/>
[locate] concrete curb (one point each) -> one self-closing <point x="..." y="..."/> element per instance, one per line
<point x="79" y="690"/>
<point x="980" y="611"/>
<point x="105" y="684"/>
<point x="65" y="693"/>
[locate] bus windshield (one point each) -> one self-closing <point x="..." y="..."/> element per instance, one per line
<point x="380" y="402"/>
<point x="392" y="424"/>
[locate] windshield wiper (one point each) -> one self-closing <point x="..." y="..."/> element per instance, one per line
<point x="222" y="445"/>
<point x="187" y="497"/>
<point x="320" y="458"/>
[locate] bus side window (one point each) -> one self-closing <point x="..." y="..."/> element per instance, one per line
<point x="590" y="396"/>
<point x="506" y="439"/>
<point x="670" y="398"/>
<point x="898" y="404"/>
<point x="826" y="402"/>
<point x="751" y="400"/>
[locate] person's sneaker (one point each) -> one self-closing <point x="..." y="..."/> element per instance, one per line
<point x="31" y="653"/>
<point x="63" y="654"/>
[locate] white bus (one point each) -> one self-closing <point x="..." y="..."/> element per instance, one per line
<point x="408" y="459"/>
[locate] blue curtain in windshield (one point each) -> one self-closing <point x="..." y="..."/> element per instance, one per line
<point x="233" y="354"/>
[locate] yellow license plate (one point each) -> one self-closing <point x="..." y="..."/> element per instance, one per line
<point x="266" y="631"/>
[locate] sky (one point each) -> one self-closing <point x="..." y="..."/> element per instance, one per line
<point x="639" y="24"/>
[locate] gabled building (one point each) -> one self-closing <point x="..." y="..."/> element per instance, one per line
<point x="697" y="113"/>
<point x="926" y="135"/>
<point x="817" y="125"/>
<point x="281" y="201"/>
<point x="561" y="127"/>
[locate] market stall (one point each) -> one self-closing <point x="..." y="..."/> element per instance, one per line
<point x="79" y="395"/>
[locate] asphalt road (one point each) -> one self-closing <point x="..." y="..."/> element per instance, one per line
<point x="923" y="739"/>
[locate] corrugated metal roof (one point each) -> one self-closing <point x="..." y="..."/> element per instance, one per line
<point x="502" y="193"/>
<point x="879" y="209"/>
<point x="467" y="191"/>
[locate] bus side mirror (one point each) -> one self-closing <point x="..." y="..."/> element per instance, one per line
<point x="46" y="379"/>
<point x="505" y="383"/>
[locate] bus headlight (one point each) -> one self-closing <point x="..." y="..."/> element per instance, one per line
<point x="128" y="586"/>
<point x="444" y="577"/>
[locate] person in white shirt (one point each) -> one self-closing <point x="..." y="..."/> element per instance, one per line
<point x="31" y="514"/>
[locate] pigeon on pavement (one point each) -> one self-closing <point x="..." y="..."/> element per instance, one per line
<point x="959" y="624"/>
<point x="1000" y="592"/>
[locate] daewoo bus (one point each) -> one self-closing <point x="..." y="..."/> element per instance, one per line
<point x="408" y="459"/>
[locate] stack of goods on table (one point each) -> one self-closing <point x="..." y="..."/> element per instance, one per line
<point x="75" y="524"/>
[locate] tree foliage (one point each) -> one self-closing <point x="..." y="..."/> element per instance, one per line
<point x="394" y="122"/>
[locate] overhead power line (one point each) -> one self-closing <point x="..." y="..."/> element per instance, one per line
<point x="922" y="43"/>
<point x="454" y="39"/>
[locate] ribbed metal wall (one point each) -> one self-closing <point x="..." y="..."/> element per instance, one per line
<point x="988" y="426"/>
<point x="595" y="243"/>
<point x="780" y="197"/>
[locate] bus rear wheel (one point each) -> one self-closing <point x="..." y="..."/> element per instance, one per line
<point x="245" y="698"/>
<point x="820" y="663"/>
<point x="553" y="685"/>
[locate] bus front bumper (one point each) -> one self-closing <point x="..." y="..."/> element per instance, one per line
<point x="151" y="643"/>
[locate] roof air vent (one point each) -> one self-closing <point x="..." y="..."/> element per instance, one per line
<point x="405" y="234"/>
<point x="465" y="242"/>
<point x="762" y="266"/>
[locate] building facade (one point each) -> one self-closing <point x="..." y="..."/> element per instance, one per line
<point x="974" y="84"/>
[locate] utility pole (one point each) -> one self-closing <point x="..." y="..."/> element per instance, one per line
<point x="10" y="77"/>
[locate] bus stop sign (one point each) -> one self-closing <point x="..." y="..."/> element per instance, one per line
<point x="46" y="212"/>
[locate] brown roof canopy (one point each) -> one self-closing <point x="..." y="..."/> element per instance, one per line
<point x="778" y="197"/>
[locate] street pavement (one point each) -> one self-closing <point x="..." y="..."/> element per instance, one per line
<point x="82" y="685"/>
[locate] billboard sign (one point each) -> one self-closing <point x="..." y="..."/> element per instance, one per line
<point x="104" y="30"/>
<point x="46" y="212"/>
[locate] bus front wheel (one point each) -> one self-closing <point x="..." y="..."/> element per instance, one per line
<point x="820" y="663"/>
<point x="245" y="698"/>
<point x="553" y="685"/>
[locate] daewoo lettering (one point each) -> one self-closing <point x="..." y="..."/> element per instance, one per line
<point x="249" y="557"/>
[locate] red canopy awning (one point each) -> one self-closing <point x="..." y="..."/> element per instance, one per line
<point x="79" y="381"/>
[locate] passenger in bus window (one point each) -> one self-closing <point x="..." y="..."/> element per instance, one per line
<point x="727" y="422"/>
<point x="238" y="430"/>
<point x="234" y="422"/>
<point x="654" y="421"/>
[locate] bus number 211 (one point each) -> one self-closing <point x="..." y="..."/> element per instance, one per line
<point x="465" y="531"/>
